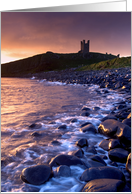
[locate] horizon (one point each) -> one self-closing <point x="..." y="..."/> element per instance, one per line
<point x="25" y="34"/>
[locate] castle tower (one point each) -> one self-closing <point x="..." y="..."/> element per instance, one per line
<point x="85" y="47"/>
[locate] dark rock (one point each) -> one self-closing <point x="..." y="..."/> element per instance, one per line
<point x="62" y="127"/>
<point x="52" y="122"/>
<point x="74" y="120"/>
<point x="63" y="170"/>
<point x="55" y="142"/>
<point x="36" y="175"/>
<point x="113" y="163"/>
<point x="113" y="128"/>
<point x="114" y="143"/>
<point x="36" y="134"/>
<point x="104" y="185"/>
<point x="118" y="155"/>
<point x="98" y="159"/>
<point x="63" y="159"/>
<point x="91" y="150"/>
<point x="124" y="134"/>
<point x="85" y="114"/>
<point x="104" y="172"/>
<point x="96" y="108"/>
<point x="118" y="85"/>
<point x="88" y="128"/>
<point x="127" y="122"/>
<point x="82" y="143"/>
<point x="121" y="106"/>
<point x="79" y="153"/>
<point x="86" y="109"/>
<point x="7" y="160"/>
<point x="91" y="163"/>
<point x="128" y="163"/>
<point x="84" y="124"/>
<point x="104" y="144"/>
<point x="108" y="117"/>
<point x="108" y="127"/>
<point x="123" y="113"/>
<point x="35" y="126"/>
<point x="129" y="116"/>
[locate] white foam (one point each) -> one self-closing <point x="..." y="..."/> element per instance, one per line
<point x="42" y="80"/>
<point x="33" y="77"/>
<point x="59" y="184"/>
<point x="56" y="83"/>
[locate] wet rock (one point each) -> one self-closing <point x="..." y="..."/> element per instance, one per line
<point x="36" y="134"/>
<point x="127" y="122"/>
<point x="118" y="155"/>
<point x="114" y="143"/>
<point x="104" y="172"/>
<point x="113" y="128"/>
<point x="36" y="175"/>
<point x="104" y="185"/>
<point x="62" y="127"/>
<point x="120" y="106"/>
<point x="52" y="122"/>
<point x="79" y="153"/>
<point x="96" y="108"/>
<point x="129" y="116"/>
<point x="86" y="109"/>
<point x="98" y="159"/>
<point x="128" y="163"/>
<point x="88" y="128"/>
<point x="63" y="170"/>
<point x="63" y="159"/>
<point x="91" y="163"/>
<point x="55" y="142"/>
<point x="104" y="144"/>
<point x="85" y="114"/>
<point x="104" y="157"/>
<point x="123" y="113"/>
<point x="91" y="150"/>
<point x="108" y="117"/>
<point x="84" y="124"/>
<point x="74" y="120"/>
<point x="35" y="126"/>
<point x="82" y="143"/>
<point x="108" y="127"/>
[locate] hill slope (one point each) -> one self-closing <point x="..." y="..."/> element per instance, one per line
<point x="49" y="62"/>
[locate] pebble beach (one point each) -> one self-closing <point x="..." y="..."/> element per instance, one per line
<point x="116" y="126"/>
<point x="104" y="166"/>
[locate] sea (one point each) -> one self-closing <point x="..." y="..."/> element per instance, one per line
<point x="49" y="105"/>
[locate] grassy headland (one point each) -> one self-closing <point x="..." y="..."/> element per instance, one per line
<point x="108" y="64"/>
<point x="50" y="62"/>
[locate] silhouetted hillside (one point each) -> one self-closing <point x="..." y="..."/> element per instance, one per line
<point x="49" y="62"/>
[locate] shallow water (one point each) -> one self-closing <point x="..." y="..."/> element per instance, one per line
<point x="51" y="104"/>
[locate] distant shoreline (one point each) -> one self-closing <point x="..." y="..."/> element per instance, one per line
<point x="107" y="78"/>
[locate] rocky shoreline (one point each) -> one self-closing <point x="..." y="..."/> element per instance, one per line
<point x="116" y="127"/>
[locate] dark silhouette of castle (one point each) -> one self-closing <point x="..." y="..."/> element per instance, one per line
<point x="85" y="47"/>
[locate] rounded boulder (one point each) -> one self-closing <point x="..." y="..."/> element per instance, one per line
<point x="36" y="175"/>
<point x="63" y="159"/>
<point x="103" y="172"/>
<point x="104" y="185"/>
<point x="118" y="155"/>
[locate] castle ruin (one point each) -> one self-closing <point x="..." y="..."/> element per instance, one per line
<point x="85" y="47"/>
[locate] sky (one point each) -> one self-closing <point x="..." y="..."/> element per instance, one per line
<point x="24" y="34"/>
